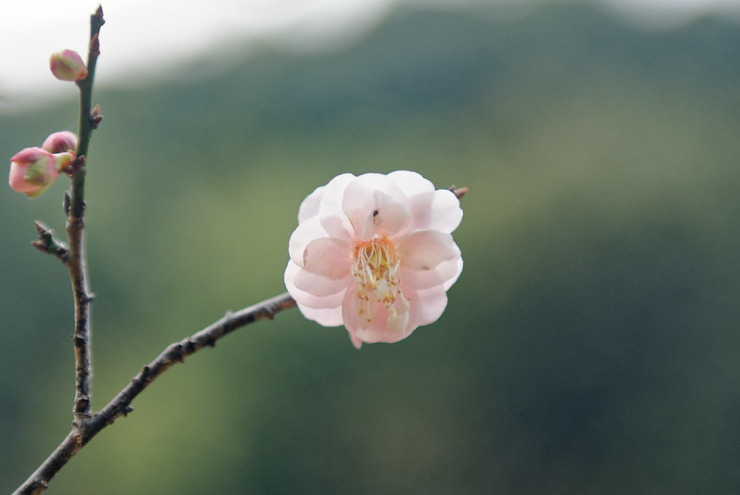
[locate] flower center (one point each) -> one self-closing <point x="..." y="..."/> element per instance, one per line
<point x="376" y="269"/>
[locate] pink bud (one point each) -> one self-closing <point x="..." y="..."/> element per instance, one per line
<point x="68" y="66"/>
<point x="59" y="142"/>
<point x="32" y="170"/>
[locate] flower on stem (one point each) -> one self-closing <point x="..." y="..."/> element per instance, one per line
<point x="32" y="170"/>
<point x="61" y="141"/>
<point x="375" y="253"/>
<point x="67" y="65"/>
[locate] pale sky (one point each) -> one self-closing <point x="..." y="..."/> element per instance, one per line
<point x="144" y="39"/>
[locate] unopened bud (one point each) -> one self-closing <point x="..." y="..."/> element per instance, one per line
<point x="61" y="141"/>
<point x="68" y="66"/>
<point x="32" y="170"/>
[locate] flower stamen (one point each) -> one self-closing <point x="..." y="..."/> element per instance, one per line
<point x="376" y="269"/>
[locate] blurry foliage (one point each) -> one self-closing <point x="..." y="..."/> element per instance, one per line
<point x="590" y="345"/>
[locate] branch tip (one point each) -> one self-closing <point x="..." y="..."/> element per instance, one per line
<point x="40" y="227"/>
<point x="48" y="244"/>
<point x="459" y="191"/>
<point x="40" y="245"/>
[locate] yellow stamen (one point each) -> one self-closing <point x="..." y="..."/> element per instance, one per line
<point x="377" y="273"/>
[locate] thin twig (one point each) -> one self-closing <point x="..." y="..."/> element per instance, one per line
<point x="121" y="404"/>
<point x="50" y="244"/>
<point x="178" y="351"/>
<point x="76" y="261"/>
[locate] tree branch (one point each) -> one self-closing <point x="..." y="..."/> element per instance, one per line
<point x="175" y="353"/>
<point x="76" y="260"/>
<point x="85" y="429"/>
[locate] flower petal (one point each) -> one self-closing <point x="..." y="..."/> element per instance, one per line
<point x="310" y="300"/>
<point x="375" y="206"/>
<point x="337" y="226"/>
<point x="330" y="317"/>
<point x="452" y="280"/>
<point x="378" y="329"/>
<point x="444" y="274"/>
<point x="302" y="236"/>
<point x="350" y="314"/>
<point x="310" y="206"/>
<point x="425" y="249"/>
<point x="330" y="207"/>
<point x="426" y="305"/>
<point x="328" y="257"/>
<point x="355" y="341"/>
<point x="333" y="193"/>
<point x="437" y="210"/>
<point x="319" y="285"/>
<point x="358" y="204"/>
<point x="389" y="216"/>
<point x="411" y="183"/>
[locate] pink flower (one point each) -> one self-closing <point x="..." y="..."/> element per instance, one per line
<point x="375" y="253"/>
<point x="32" y="170"/>
<point x="68" y="66"/>
<point x="59" y="142"/>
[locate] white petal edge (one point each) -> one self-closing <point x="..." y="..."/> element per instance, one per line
<point x="331" y="200"/>
<point x="306" y="299"/>
<point x="437" y="210"/>
<point x="310" y="206"/>
<point x="445" y="274"/>
<point x="331" y="317"/>
<point x="411" y="183"/>
<point x="452" y="280"/>
<point x="319" y="285"/>
<point x="426" y="305"/>
<point x="306" y="232"/>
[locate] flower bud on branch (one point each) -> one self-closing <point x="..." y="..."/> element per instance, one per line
<point x="61" y="141"/>
<point x="32" y="171"/>
<point x="68" y="66"/>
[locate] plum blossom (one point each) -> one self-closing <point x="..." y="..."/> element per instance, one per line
<point x="32" y="171"/>
<point x="375" y="253"/>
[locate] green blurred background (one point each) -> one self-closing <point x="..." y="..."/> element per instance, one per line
<point x="590" y="346"/>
